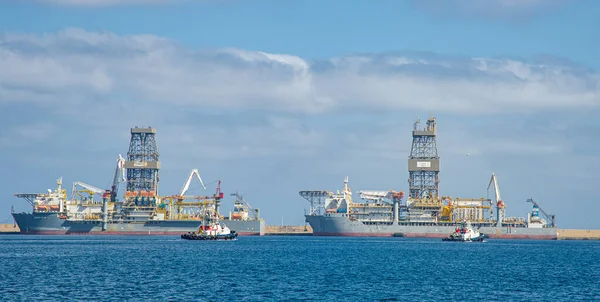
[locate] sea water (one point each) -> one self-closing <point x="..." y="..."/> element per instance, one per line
<point x="278" y="268"/>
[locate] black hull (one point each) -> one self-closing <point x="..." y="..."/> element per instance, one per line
<point x="476" y="239"/>
<point x="231" y="236"/>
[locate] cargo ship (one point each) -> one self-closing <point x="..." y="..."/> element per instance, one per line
<point x="423" y="213"/>
<point x="141" y="214"/>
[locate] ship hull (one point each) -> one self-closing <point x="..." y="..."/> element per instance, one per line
<point x="342" y="226"/>
<point x="48" y="223"/>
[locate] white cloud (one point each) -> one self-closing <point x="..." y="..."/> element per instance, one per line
<point x="107" y="83"/>
<point x="77" y="65"/>
<point x="272" y="124"/>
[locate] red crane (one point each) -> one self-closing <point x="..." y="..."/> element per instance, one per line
<point x="219" y="194"/>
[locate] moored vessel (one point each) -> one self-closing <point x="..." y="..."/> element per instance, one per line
<point x="141" y="211"/>
<point x="424" y="213"/>
<point x="53" y="213"/>
<point x="384" y="213"/>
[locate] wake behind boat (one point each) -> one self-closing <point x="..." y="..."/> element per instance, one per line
<point x="465" y="233"/>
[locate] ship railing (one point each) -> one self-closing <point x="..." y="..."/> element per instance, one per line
<point x="426" y="206"/>
<point x="138" y="214"/>
<point x="83" y="219"/>
<point x="370" y="221"/>
<point x="188" y="217"/>
<point x="138" y="208"/>
<point x="91" y="204"/>
<point x="370" y="205"/>
<point x="469" y="207"/>
<point x="371" y="212"/>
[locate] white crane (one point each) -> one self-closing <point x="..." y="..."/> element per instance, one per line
<point x="115" y="184"/>
<point x="88" y="187"/>
<point x="374" y="195"/>
<point x="500" y="206"/>
<point x="496" y="189"/>
<point x="120" y="168"/>
<point x="189" y="180"/>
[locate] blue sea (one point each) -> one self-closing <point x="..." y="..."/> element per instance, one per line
<point x="283" y="268"/>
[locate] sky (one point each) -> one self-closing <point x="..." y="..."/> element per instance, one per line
<point x="274" y="97"/>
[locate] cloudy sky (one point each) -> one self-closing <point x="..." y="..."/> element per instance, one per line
<point x="273" y="97"/>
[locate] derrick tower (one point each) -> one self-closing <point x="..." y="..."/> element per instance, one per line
<point x="142" y="161"/>
<point x="424" y="162"/>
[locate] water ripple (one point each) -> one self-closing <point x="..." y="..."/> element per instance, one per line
<point x="116" y="268"/>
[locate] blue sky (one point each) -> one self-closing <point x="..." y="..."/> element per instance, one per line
<point x="273" y="97"/>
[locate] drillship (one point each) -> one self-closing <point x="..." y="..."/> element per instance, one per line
<point x="423" y="213"/>
<point x="142" y="211"/>
<point x="143" y="214"/>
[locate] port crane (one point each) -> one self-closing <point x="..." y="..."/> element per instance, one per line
<point x="547" y="216"/>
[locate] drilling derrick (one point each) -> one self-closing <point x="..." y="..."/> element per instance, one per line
<point x="424" y="162"/>
<point x="142" y="162"/>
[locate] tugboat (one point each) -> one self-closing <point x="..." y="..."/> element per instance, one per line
<point x="214" y="231"/>
<point x="465" y="233"/>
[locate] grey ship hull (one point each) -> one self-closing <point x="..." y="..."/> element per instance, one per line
<point x="342" y="226"/>
<point x="50" y="223"/>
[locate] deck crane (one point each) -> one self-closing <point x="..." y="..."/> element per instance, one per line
<point x="379" y="196"/>
<point x="241" y="205"/>
<point x="500" y="206"/>
<point x="186" y="186"/>
<point x="546" y="215"/>
<point x="384" y="196"/>
<point x="115" y="184"/>
<point x="91" y="189"/>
